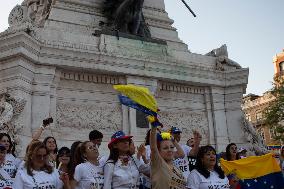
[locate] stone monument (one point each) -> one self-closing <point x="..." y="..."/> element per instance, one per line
<point x="59" y="57"/>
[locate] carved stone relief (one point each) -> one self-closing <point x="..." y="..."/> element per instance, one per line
<point x="10" y="109"/>
<point x="186" y="121"/>
<point x="222" y="59"/>
<point x="16" y="15"/>
<point x="256" y="143"/>
<point x="103" y="117"/>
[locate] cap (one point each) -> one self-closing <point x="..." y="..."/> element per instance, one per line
<point x="175" y="130"/>
<point x="119" y="135"/>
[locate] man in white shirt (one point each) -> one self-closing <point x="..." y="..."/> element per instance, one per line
<point x="96" y="137"/>
<point x="183" y="163"/>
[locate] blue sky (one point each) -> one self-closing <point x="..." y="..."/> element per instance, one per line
<point x="253" y="31"/>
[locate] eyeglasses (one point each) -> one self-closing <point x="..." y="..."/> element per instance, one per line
<point x="92" y="148"/>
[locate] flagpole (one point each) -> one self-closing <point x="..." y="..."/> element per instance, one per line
<point x="188" y="8"/>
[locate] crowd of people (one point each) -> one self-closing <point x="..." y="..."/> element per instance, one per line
<point x="161" y="162"/>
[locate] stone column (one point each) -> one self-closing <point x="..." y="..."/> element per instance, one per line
<point x="234" y="114"/>
<point x="219" y="117"/>
<point x="209" y="113"/>
<point x="41" y="99"/>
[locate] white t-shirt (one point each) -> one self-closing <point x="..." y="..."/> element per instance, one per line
<point x="89" y="176"/>
<point x="118" y="176"/>
<point x="182" y="163"/>
<point x="40" y="179"/>
<point x="197" y="181"/>
<point x="5" y="179"/>
<point x="11" y="165"/>
<point x="102" y="160"/>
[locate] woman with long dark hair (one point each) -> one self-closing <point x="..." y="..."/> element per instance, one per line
<point x="207" y="173"/>
<point x="49" y="142"/>
<point x="11" y="163"/>
<point x="6" y="181"/>
<point x="37" y="172"/>
<point x="121" y="170"/>
<point x="63" y="160"/>
<point x="231" y="152"/>
<point x="232" y="155"/>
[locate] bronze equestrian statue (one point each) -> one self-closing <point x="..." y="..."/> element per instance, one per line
<point x="126" y="16"/>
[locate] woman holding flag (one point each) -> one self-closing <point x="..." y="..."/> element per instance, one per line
<point x="207" y="173"/>
<point x="163" y="172"/>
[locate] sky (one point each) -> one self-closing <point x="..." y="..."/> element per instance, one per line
<point x="252" y="30"/>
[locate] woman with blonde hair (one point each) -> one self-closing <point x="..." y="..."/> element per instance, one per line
<point x="37" y="173"/>
<point x="163" y="172"/>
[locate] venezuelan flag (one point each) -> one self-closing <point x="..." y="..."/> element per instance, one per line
<point x="128" y="102"/>
<point x="256" y="172"/>
<point x="139" y="95"/>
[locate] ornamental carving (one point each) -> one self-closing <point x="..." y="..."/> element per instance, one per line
<point x="38" y="10"/>
<point x="222" y="59"/>
<point x="186" y="121"/>
<point x="103" y="117"/>
<point x="10" y="109"/>
<point x="256" y="143"/>
<point x="16" y="15"/>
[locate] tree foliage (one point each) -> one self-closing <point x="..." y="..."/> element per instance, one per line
<point x="274" y="113"/>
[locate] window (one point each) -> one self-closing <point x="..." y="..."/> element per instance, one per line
<point x="258" y="116"/>
<point x="281" y="66"/>
<point x="272" y="132"/>
<point x="248" y="117"/>
<point x="141" y="120"/>
<point x="262" y="134"/>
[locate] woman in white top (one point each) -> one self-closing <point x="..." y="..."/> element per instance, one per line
<point x="207" y="173"/>
<point x="121" y="171"/>
<point x="88" y="174"/>
<point x="37" y="173"/>
<point x="5" y="179"/>
<point x="11" y="163"/>
<point x="49" y="142"/>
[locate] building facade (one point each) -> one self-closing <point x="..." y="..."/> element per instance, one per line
<point x="254" y="105"/>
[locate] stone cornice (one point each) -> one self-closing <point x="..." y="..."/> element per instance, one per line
<point x="90" y="58"/>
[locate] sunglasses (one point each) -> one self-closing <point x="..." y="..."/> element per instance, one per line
<point x="92" y="148"/>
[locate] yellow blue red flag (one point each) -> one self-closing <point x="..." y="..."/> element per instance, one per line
<point x="256" y="172"/>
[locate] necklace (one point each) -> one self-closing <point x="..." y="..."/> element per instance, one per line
<point x="124" y="160"/>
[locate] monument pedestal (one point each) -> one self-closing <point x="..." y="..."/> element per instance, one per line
<point x="64" y="71"/>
